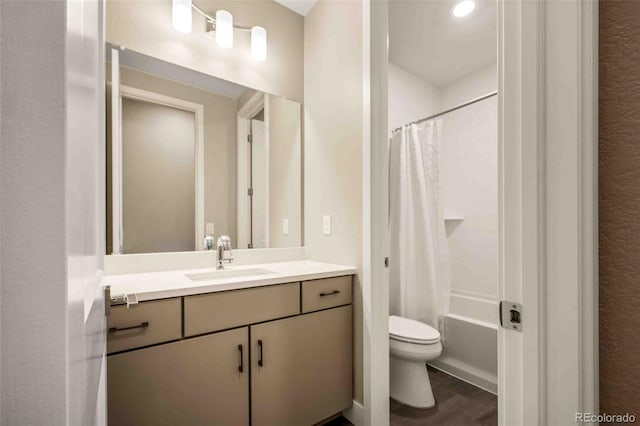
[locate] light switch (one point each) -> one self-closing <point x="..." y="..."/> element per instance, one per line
<point x="285" y="226"/>
<point x="210" y="228"/>
<point x="326" y="225"/>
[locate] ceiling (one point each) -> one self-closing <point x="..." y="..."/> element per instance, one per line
<point x="301" y="7"/>
<point x="427" y="40"/>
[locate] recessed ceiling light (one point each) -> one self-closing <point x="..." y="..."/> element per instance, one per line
<point x="463" y="8"/>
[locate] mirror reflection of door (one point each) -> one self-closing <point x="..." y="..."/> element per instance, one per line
<point x="259" y="184"/>
<point x="158" y="211"/>
<point x="158" y="168"/>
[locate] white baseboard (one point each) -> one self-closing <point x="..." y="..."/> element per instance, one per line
<point x="355" y="414"/>
<point x="466" y="373"/>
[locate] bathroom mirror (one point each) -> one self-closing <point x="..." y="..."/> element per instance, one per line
<point x="190" y="155"/>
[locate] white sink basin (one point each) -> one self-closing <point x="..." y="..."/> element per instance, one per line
<point x="227" y="273"/>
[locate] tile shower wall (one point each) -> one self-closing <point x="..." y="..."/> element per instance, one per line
<point x="469" y="177"/>
<point x="469" y="185"/>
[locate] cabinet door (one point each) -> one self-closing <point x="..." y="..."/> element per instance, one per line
<point x="187" y="383"/>
<point x="301" y="368"/>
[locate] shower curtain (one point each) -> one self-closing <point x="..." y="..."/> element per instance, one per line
<point x="419" y="276"/>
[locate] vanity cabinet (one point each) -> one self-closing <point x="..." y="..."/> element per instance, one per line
<point x="325" y="293"/>
<point x="147" y="324"/>
<point x="206" y="313"/>
<point x="301" y="368"/>
<point x="199" y="381"/>
<point x="233" y="358"/>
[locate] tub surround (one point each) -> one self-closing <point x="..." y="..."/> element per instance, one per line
<point x="175" y="283"/>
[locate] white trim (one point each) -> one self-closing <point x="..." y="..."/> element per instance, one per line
<point x="355" y="414"/>
<point x="267" y="145"/>
<point x="253" y="106"/>
<point x="116" y="154"/>
<point x="521" y="209"/>
<point x="198" y="109"/>
<point x="466" y="373"/>
<point x="589" y="207"/>
<point x="571" y="203"/>
<point x="243" y="204"/>
<point x="257" y="102"/>
<point x="375" y="203"/>
<point x="547" y="139"/>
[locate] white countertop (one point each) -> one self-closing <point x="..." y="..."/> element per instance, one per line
<point x="161" y="285"/>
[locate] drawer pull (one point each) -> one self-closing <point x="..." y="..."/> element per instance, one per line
<point x="260" y="362"/>
<point x="241" y="365"/>
<point x="329" y="293"/>
<point x="114" y="330"/>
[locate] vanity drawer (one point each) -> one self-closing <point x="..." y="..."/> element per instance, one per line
<point x="326" y="293"/>
<point x="219" y="311"/>
<point x="143" y="324"/>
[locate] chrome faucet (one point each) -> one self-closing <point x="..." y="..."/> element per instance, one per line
<point x="207" y="243"/>
<point x="224" y="251"/>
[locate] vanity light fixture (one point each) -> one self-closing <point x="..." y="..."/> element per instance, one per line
<point x="221" y="26"/>
<point x="463" y="8"/>
<point x="258" y="43"/>
<point x="224" y="29"/>
<point x="181" y="15"/>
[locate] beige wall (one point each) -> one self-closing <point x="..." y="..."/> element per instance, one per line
<point x="285" y="190"/>
<point x="219" y="144"/>
<point x="145" y="27"/>
<point x="333" y="144"/>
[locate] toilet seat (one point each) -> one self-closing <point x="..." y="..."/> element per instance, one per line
<point x="411" y="331"/>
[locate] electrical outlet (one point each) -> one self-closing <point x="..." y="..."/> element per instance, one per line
<point x="285" y="226"/>
<point x="326" y="225"/>
<point x="210" y="228"/>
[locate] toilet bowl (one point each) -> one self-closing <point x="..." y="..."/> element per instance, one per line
<point x="411" y="345"/>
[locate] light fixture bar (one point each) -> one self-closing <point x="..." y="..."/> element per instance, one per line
<point x="212" y="19"/>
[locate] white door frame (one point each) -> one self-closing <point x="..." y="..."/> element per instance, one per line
<point x="375" y="216"/>
<point x="547" y="75"/>
<point x="156" y="98"/>
<point x="257" y="102"/>
<point x="548" y="226"/>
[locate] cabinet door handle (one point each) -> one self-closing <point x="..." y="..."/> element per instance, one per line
<point x="241" y="364"/>
<point x="260" y="362"/>
<point x="329" y="293"/>
<point x="114" y="330"/>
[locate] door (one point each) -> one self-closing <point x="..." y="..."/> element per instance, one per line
<point x="158" y="185"/>
<point x="301" y="368"/>
<point x="200" y="381"/>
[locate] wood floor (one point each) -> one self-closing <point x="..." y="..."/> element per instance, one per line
<point x="457" y="404"/>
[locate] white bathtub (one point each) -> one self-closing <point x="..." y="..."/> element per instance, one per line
<point x="471" y="340"/>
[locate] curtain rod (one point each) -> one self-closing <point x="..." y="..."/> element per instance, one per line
<point x="473" y="101"/>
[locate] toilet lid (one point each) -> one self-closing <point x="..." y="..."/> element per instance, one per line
<point x="412" y="331"/>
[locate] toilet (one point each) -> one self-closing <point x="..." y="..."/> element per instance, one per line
<point x="411" y="345"/>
